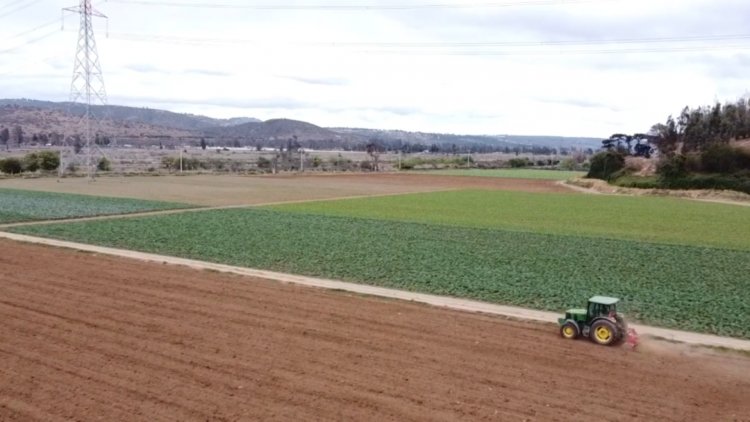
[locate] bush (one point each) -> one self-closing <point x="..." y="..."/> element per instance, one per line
<point x="42" y="160"/>
<point x="724" y="159"/>
<point x="190" y="163"/>
<point x="709" y="181"/>
<point x="168" y="163"/>
<point x="436" y="162"/>
<point x="674" y="167"/>
<point x="48" y="160"/>
<point x="738" y="182"/>
<point x="628" y="181"/>
<point x="11" y="165"/>
<point x="605" y="164"/>
<point x="568" y="164"/>
<point x="173" y="163"/>
<point x="104" y="164"/>
<point x="518" y="162"/>
<point x="263" y="163"/>
<point x="31" y="162"/>
<point x="218" y="165"/>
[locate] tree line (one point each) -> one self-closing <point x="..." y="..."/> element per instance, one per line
<point x="698" y="129"/>
<point x="695" y="150"/>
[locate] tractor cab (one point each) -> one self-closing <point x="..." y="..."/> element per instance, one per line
<point x="602" y="306"/>
<point x="599" y="321"/>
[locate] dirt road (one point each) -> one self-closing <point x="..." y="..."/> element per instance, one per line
<point x="94" y="337"/>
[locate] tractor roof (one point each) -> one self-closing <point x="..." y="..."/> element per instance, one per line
<point x="604" y="300"/>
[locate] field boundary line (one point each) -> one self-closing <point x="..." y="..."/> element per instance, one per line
<point x="691" y="338"/>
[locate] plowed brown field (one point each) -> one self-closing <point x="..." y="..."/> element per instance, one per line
<point x="220" y="190"/>
<point x="88" y="337"/>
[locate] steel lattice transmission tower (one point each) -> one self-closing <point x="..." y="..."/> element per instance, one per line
<point x="87" y="86"/>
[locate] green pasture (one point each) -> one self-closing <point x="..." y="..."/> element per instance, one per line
<point x="512" y="173"/>
<point x="646" y="219"/>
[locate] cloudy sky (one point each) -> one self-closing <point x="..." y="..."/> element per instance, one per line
<point x="527" y="67"/>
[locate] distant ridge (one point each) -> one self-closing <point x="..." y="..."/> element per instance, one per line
<point x="502" y="140"/>
<point x="147" y="125"/>
<point x="279" y="129"/>
<point x="148" y="116"/>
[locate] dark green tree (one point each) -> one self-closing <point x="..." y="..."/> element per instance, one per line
<point x="666" y="137"/>
<point x="17" y="134"/>
<point x="11" y="165"/>
<point x="4" y="137"/>
<point x="49" y="160"/>
<point x="605" y="164"/>
<point x="104" y="164"/>
<point x="31" y="162"/>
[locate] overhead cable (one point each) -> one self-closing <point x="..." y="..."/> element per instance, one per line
<point x="478" y="48"/>
<point x="362" y="7"/>
<point x="18" y="9"/>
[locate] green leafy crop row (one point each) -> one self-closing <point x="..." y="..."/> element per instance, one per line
<point x="650" y="219"/>
<point x="687" y="287"/>
<point x="20" y="205"/>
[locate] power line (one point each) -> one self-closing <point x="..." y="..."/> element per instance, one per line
<point x="31" y="41"/>
<point x="11" y="3"/>
<point x="400" y="44"/>
<point x="348" y="7"/>
<point x="449" y="48"/>
<point x="18" y="9"/>
<point x="659" y="40"/>
<point x="694" y="49"/>
<point x="36" y="28"/>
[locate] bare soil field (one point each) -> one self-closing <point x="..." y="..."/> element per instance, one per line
<point x="221" y="190"/>
<point x="94" y="337"/>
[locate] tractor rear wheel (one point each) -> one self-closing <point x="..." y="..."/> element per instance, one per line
<point x="569" y="330"/>
<point x="604" y="332"/>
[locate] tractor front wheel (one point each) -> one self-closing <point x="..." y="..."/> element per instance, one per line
<point x="604" y="332"/>
<point x="569" y="330"/>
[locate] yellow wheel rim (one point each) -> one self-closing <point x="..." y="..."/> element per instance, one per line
<point x="603" y="333"/>
<point x="568" y="331"/>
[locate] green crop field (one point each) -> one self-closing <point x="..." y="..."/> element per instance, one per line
<point x="512" y="173"/>
<point x="687" y="287"/>
<point x="20" y="205"/>
<point x="651" y="219"/>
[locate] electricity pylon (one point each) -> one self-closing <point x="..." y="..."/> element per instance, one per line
<point x="88" y="83"/>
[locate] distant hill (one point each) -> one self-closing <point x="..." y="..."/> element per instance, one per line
<point x="510" y="141"/>
<point x="148" y="116"/>
<point x="279" y="129"/>
<point x="150" y="126"/>
<point x="50" y="121"/>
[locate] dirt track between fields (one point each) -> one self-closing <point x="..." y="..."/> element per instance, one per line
<point x="221" y="190"/>
<point x="688" y="338"/>
<point x="95" y="337"/>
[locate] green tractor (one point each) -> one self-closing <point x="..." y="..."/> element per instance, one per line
<point x="600" y="322"/>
